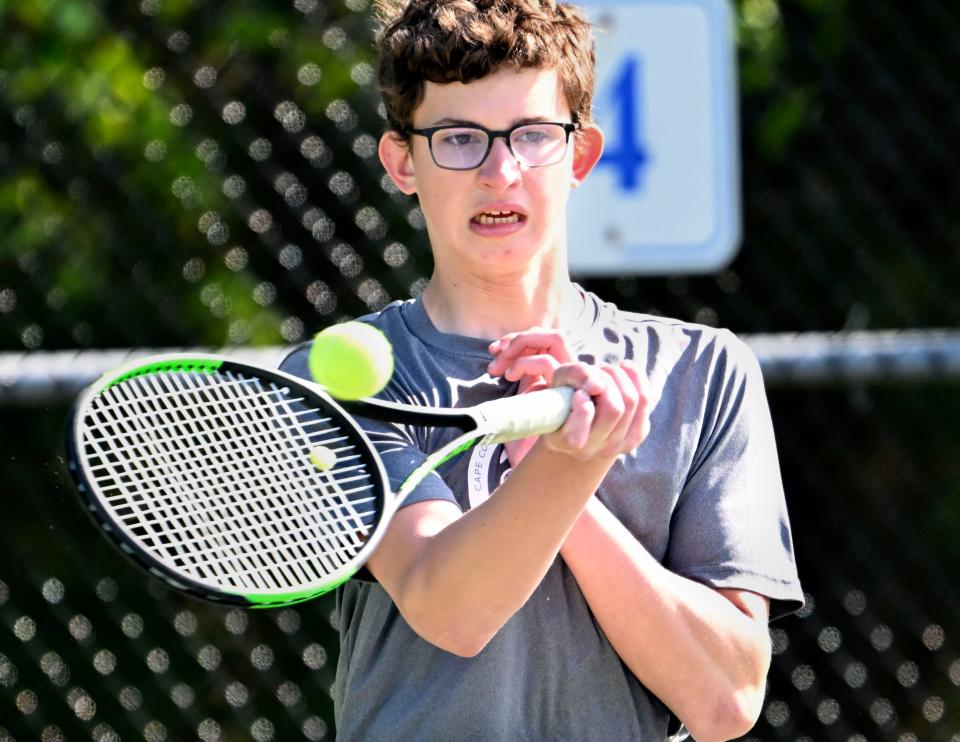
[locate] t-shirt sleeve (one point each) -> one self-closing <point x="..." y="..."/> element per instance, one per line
<point x="730" y="527"/>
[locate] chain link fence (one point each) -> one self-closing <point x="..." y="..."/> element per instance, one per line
<point x="188" y="173"/>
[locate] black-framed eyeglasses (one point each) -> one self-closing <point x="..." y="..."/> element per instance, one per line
<point x="466" y="147"/>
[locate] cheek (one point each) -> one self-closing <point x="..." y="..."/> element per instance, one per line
<point x="554" y="196"/>
<point x="444" y="216"/>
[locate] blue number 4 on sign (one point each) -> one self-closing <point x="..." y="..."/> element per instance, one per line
<point x="625" y="153"/>
<point x="665" y="196"/>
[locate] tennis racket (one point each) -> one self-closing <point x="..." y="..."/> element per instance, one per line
<point x="250" y="486"/>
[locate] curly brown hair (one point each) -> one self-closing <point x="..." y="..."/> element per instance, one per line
<point x="443" y="41"/>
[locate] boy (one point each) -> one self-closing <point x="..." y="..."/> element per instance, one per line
<point x="619" y="582"/>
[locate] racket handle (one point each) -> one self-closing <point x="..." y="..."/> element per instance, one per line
<point x="523" y="415"/>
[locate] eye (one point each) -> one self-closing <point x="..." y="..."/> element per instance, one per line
<point x="533" y="136"/>
<point x="460" y="138"/>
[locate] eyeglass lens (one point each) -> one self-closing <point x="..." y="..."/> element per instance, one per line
<point x="535" y="145"/>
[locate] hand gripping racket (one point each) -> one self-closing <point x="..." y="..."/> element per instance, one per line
<point x="251" y="486"/>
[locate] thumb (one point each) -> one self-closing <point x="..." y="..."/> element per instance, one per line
<point x="532" y="384"/>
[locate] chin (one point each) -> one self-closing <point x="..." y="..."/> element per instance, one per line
<point x="515" y="254"/>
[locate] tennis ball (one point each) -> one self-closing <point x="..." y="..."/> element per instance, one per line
<point x="352" y="360"/>
<point x="323" y="458"/>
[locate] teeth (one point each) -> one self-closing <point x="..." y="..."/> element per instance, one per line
<point x="495" y="217"/>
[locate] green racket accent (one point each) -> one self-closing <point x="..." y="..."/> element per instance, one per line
<point x="430" y="464"/>
<point x="457" y="451"/>
<point x="301" y="596"/>
<point x="185" y="365"/>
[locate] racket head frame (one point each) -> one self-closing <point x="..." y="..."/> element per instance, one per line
<point x="79" y="467"/>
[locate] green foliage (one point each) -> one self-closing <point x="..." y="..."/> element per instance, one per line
<point x="791" y="101"/>
<point x="119" y="192"/>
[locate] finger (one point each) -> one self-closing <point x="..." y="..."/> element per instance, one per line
<point x="580" y="376"/>
<point x="576" y="430"/>
<point x="639" y="427"/>
<point x="630" y="398"/>
<point x="609" y="405"/>
<point x="549" y="340"/>
<point x="638" y="382"/>
<point x="532" y="384"/>
<point x="498" y="346"/>
<point x="539" y="365"/>
<point x="501" y="362"/>
<point x="539" y="340"/>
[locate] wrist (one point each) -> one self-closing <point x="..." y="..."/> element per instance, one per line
<point x="586" y="526"/>
<point x="574" y="460"/>
<point x="566" y="476"/>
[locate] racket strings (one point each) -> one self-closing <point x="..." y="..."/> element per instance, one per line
<point x="214" y="475"/>
<point x="210" y="445"/>
<point x="285" y="480"/>
<point x="241" y="423"/>
<point x="124" y="470"/>
<point x="241" y="515"/>
<point x="171" y="472"/>
<point x="341" y="536"/>
<point x="281" y="468"/>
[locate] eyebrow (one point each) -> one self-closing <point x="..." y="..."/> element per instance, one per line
<point x="447" y="121"/>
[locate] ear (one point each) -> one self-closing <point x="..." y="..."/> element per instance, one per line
<point x="588" y="146"/>
<point x="398" y="162"/>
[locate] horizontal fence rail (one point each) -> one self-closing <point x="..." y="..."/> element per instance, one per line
<point x="862" y="356"/>
<point x="44" y="377"/>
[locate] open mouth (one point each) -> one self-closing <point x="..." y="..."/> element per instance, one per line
<point x="498" y="217"/>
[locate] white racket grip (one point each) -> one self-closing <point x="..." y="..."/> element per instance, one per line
<point x="523" y="415"/>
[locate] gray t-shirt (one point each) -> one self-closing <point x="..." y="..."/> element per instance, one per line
<point x="703" y="494"/>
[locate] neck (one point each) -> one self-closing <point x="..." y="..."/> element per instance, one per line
<point x="491" y="306"/>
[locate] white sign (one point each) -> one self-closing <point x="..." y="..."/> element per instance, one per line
<point x="665" y="197"/>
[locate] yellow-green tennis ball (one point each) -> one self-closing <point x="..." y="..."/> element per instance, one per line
<point x="323" y="458"/>
<point x="352" y="360"/>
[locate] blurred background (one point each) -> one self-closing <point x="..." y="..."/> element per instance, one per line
<point x="181" y="173"/>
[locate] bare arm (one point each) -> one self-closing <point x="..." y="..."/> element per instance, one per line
<point x="457" y="579"/>
<point x="704" y="652"/>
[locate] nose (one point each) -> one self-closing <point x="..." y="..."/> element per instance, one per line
<point x="500" y="170"/>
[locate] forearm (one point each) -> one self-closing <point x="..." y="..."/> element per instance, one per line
<point x="693" y="648"/>
<point x="466" y="580"/>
